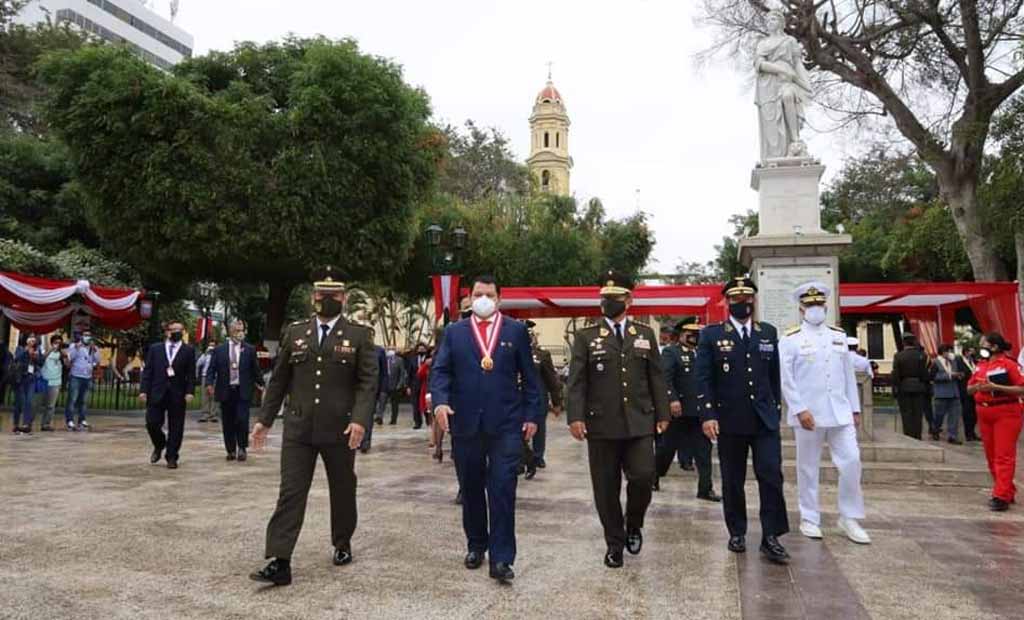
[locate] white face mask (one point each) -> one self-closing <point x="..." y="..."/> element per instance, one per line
<point x="484" y="307"/>
<point x="815" y="315"/>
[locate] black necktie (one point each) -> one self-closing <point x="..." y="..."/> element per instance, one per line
<point x="323" y="333"/>
<point x="746" y="335"/>
<point x="618" y="332"/>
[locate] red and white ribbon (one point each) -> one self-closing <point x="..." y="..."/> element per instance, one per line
<point x="487" y="348"/>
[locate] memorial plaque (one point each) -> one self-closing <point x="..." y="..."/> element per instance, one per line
<point x="776" y="283"/>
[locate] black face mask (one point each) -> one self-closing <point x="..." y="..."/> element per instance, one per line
<point x="465" y="314"/>
<point x="742" y="310"/>
<point x="175" y="336"/>
<point x="612" y="308"/>
<point x="690" y="342"/>
<point x="328" y="307"/>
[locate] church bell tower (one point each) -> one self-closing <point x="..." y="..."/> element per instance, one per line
<point x="549" y="159"/>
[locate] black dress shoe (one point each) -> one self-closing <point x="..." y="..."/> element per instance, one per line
<point x="737" y="544"/>
<point x="242" y="455"/>
<point x="172" y="463"/>
<point x="710" y="496"/>
<point x="531" y="472"/>
<point x="155" y="457"/>
<point x="774" y="551"/>
<point x="541" y="463"/>
<point x="687" y="466"/>
<point x="417" y="427"/>
<point x="378" y="420"/>
<point x="613" y="559"/>
<point x="502" y="572"/>
<point x="998" y="505"/>
<point x="474" y="560"/>
<point x="342" y="556"/>
<point x="277" y="572"/>
<point x="634" y="540"/>
<point x="955" y="441"/>
<point x="230" y="457"/>
<point x="458" y="498"/>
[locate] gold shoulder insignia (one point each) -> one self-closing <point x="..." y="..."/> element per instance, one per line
<point x="793" y="330"/>
<point x="757" y="326"/>
<point x="728" y="327"/>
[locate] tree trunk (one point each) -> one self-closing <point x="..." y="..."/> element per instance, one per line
<point x="277" y="307"/>
<point x="960" y="193"/>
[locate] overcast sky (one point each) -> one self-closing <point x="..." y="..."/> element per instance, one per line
<point x="643" y="116"/>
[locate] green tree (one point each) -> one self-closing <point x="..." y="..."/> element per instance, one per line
<point x="249" y="166"/>
<point x="21" y="47"/>
<point x="480" y="164"/>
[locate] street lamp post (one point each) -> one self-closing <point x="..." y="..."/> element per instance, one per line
<point x="445" y="251"/>
<point x="207" y="290"/>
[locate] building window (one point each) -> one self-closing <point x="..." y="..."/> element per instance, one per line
<point x="558" y="137"/>
<point x="876" y="341"/>
<point x="546" y="138"/>
<point x="545" y="179"/>
<point x="86" y="24"/>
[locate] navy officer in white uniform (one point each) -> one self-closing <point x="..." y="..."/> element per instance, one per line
<point x="819" y="388"/>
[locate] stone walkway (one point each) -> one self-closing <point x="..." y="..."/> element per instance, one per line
<point x="91" y="530"/>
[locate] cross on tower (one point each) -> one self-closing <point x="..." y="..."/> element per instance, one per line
<point x="549" y="63"/>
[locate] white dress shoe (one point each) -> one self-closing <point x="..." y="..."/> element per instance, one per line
<point x="810" y="530"/>
<point x="854" y="531"/>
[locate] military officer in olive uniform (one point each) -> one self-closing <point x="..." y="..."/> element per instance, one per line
<point x="550" y="397"/>
<point x="739" y="395"/>
<point x="327" y="367"/>
<point x="685" y="430"/>
<point x="617" y="400"/>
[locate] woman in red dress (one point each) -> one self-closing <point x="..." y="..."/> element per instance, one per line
<point x="436" y="434"/>
<point x="997" y="386"/>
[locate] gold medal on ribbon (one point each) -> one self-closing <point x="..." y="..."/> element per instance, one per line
<point x="234" y="365"/>
<point x="487" y="364"/>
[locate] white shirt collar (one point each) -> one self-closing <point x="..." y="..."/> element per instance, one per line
<point x="611" y="323"/>
<point x="329" y="324"/>
<point x="739" y="326"/>
<point x="490" y="328"/>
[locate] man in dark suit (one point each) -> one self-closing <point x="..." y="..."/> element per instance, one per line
<point x="231" y="378"/>
<point x="476" y="394"/>
<point x="617" y="401"/>
<point x="412" y="364"/>
<point x="739" y="394"/>
<point x="167" y="386"/>
<point x="910" y="386"/>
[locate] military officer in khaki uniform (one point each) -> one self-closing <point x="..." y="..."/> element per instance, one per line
<point x="327" y="367"/>
<point x="617" y="400"/>
<point x="550" y="399"/>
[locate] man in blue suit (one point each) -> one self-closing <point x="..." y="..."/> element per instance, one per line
<point x="485" y="391"/>
<point x="167" y="386"/>
<point x="231" y="378"/>
<point x="739" y="395"/>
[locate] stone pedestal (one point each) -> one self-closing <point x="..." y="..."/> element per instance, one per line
<point x="866" y="432"/>
<point x="790" y="247"/>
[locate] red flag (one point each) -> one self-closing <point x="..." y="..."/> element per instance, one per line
<point x="446" y="296"/>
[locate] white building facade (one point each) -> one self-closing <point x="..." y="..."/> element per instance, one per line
<point x="126" y="22"/>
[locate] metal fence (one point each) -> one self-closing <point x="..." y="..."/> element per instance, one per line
<point x="107" y="393"/>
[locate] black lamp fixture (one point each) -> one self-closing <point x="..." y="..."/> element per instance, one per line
<point x="434" y="233"/>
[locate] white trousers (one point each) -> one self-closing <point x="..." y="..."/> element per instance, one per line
<point x="842" y="443"/>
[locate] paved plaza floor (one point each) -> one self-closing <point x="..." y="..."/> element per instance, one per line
<point x="88" y="529"/>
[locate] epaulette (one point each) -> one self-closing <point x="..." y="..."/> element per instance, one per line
<point x="298" y="323"/>
<point x="793" y="330"/>
<point x="836" y="328"/>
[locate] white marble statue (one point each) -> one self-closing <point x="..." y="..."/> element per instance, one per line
<point x="783" y="91"/>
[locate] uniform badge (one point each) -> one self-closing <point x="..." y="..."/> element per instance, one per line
<point x="346" y="343"/>
<point x="632" y="330"/>
<point x="600" y="367"/>
<point x="298" y="342"/>
<point x="643" y="344"/>
<point x="604" y="332"/>
<point x="725" y="367"/>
